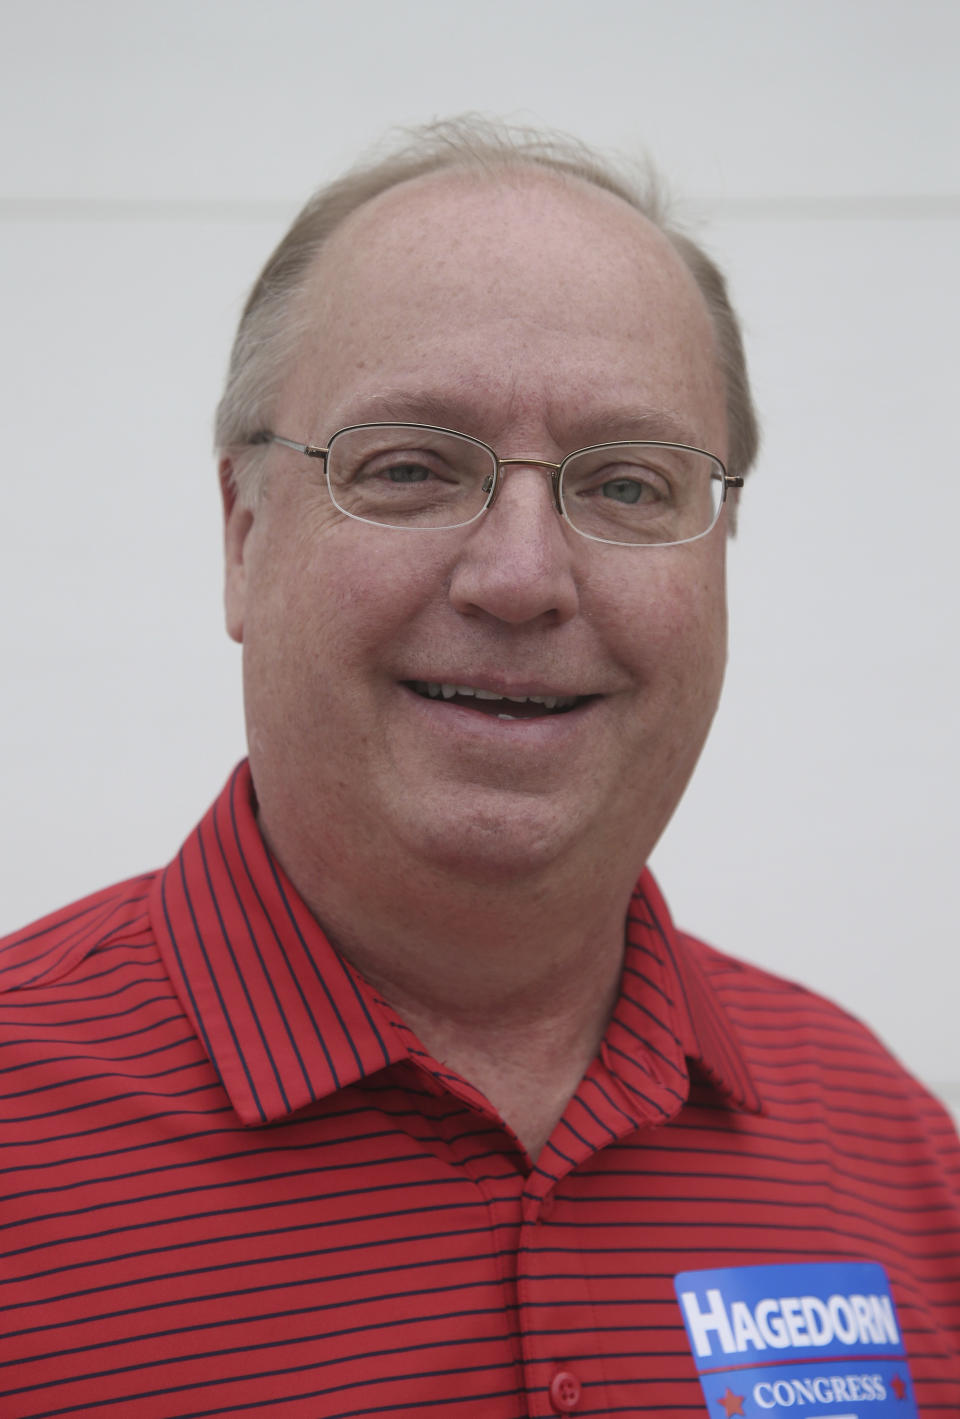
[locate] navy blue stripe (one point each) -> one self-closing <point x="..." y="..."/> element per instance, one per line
<point x="200" y="1384"/>
<point x="266" y="975"/>
<point x="219" y="1212"/>
<point x="282" y="950"/>
<point x="361" y="1001"/>
<point x="310" y="1394"/>
<point x="363" y="1413"/>
<point x="395" y="1323"/>
<point x="153" y="1025"/>
<point x="648" y="1044"/>
<point x="318" y="975"/>
<point x="241" y="980"/>
<point x="98" y="931"/>
<point x="116" y="1125"/>
<point x="83" y="1059"/>
<point x="225" y="1014"/>
<point x="111" y="936"/>
<point x="175" y="1140"/>
<point x="650" y="985"/>
<point x="215" y="1159"/>
<point x="57" y="925"/>
<point x="667" y="1088"/>
<point x="487" y="1257"/>
<point x="225" y="1266"/>
<point x="188" y="986"/>
<point x="113" y="1074"/>
<point x="124" y="1014"/>
<point x="221" y="1186"/>
<point x="601" y="1124"/>
<point x="68" y="997"/>
<point x="909" y="1145"/>
<point x="591" y="1082"/>
<point x="633" y="1089"/>
<point x="112" y="1099"/>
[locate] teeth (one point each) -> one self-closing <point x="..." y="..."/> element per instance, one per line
<point x="447" y="691"/>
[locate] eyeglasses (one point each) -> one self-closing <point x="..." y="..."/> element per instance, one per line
<point x="417" y="477"/>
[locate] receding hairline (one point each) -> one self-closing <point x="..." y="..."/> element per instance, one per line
<point x="470" y="148"/>
<point x="520" y="171"/>
<point x="522" y="174"/>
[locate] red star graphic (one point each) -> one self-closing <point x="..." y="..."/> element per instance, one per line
<point x="898" y="1387"/>
<point x="732" y="1403"/>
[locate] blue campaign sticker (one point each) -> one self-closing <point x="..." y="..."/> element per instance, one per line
<point x="814" y="1340"/>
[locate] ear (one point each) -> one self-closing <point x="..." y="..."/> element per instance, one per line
<point x="237" y="522"/>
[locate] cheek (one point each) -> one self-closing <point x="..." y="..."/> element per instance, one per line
<point x="671" y="619"/>
<point x="294" y="607"/>
<point x="698" y="628"/>
<point x="684" y="659"/>
<point x="698" y="614"/>
<point x="328" y="598"/>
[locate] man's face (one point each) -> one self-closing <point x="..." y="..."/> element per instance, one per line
<point x="541" y="317"/>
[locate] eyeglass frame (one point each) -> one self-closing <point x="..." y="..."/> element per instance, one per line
<point x="727" y="480"/>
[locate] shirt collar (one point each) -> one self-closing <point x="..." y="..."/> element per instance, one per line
<point x="706" y="1032"/>
<point x="286" y="1021"/>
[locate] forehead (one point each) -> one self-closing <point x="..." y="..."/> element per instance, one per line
<point x="505" y="299"/>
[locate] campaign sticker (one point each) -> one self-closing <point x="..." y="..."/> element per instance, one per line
<point x="814" y="1340"/>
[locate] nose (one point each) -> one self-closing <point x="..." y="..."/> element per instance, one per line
<point x="517" y="564"/>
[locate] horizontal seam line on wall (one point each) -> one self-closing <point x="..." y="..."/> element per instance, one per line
<point x="866" y="208"/>
<point x="931" y="207"/>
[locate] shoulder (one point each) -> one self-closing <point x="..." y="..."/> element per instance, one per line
<point x="803" y="1047"/>
<point x="51" y="948"/>
<point x="744" y="985"/>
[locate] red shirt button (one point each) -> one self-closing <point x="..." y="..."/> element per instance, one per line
<point x="564" y="1391"/>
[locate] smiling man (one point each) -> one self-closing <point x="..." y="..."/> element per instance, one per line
<point x="397" y="1091"/>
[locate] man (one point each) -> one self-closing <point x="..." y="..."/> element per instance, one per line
<point x="396" y="1092"/>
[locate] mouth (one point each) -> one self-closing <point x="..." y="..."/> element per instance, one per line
<point x="498" y="706"/>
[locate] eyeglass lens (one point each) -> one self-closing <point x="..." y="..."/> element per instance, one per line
<point x="410" y="476"/>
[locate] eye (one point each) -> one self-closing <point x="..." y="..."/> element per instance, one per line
<point x="407" y="475"/>
<point x="399" y="468"/>
<point x="629" y="490"/>
<point x="623" y="482"/>
<point x="406" y="472"/>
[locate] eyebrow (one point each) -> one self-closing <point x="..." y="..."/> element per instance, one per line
<point x="447" y="411"/>
<point x="452" y="411"/>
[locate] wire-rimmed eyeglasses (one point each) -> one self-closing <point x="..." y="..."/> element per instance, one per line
<point x="418" y="477"/>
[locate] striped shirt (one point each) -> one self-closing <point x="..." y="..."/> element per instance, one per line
<point x="234" y="1183"/>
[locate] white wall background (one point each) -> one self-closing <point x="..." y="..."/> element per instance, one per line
<point x="151" y="156"/>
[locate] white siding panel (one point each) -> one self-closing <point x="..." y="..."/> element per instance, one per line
<point x="201" y="99"/>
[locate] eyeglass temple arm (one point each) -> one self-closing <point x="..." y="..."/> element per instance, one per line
<point x="265" y="436"/>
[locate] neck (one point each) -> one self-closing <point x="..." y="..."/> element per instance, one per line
<point x="509" y="983"/>
<point x="518" y="1009"/>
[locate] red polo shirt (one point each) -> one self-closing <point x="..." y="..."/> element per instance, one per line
<point x="235" y="1183"/>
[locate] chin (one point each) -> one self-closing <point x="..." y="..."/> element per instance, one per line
<point x="494" y="838"/>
